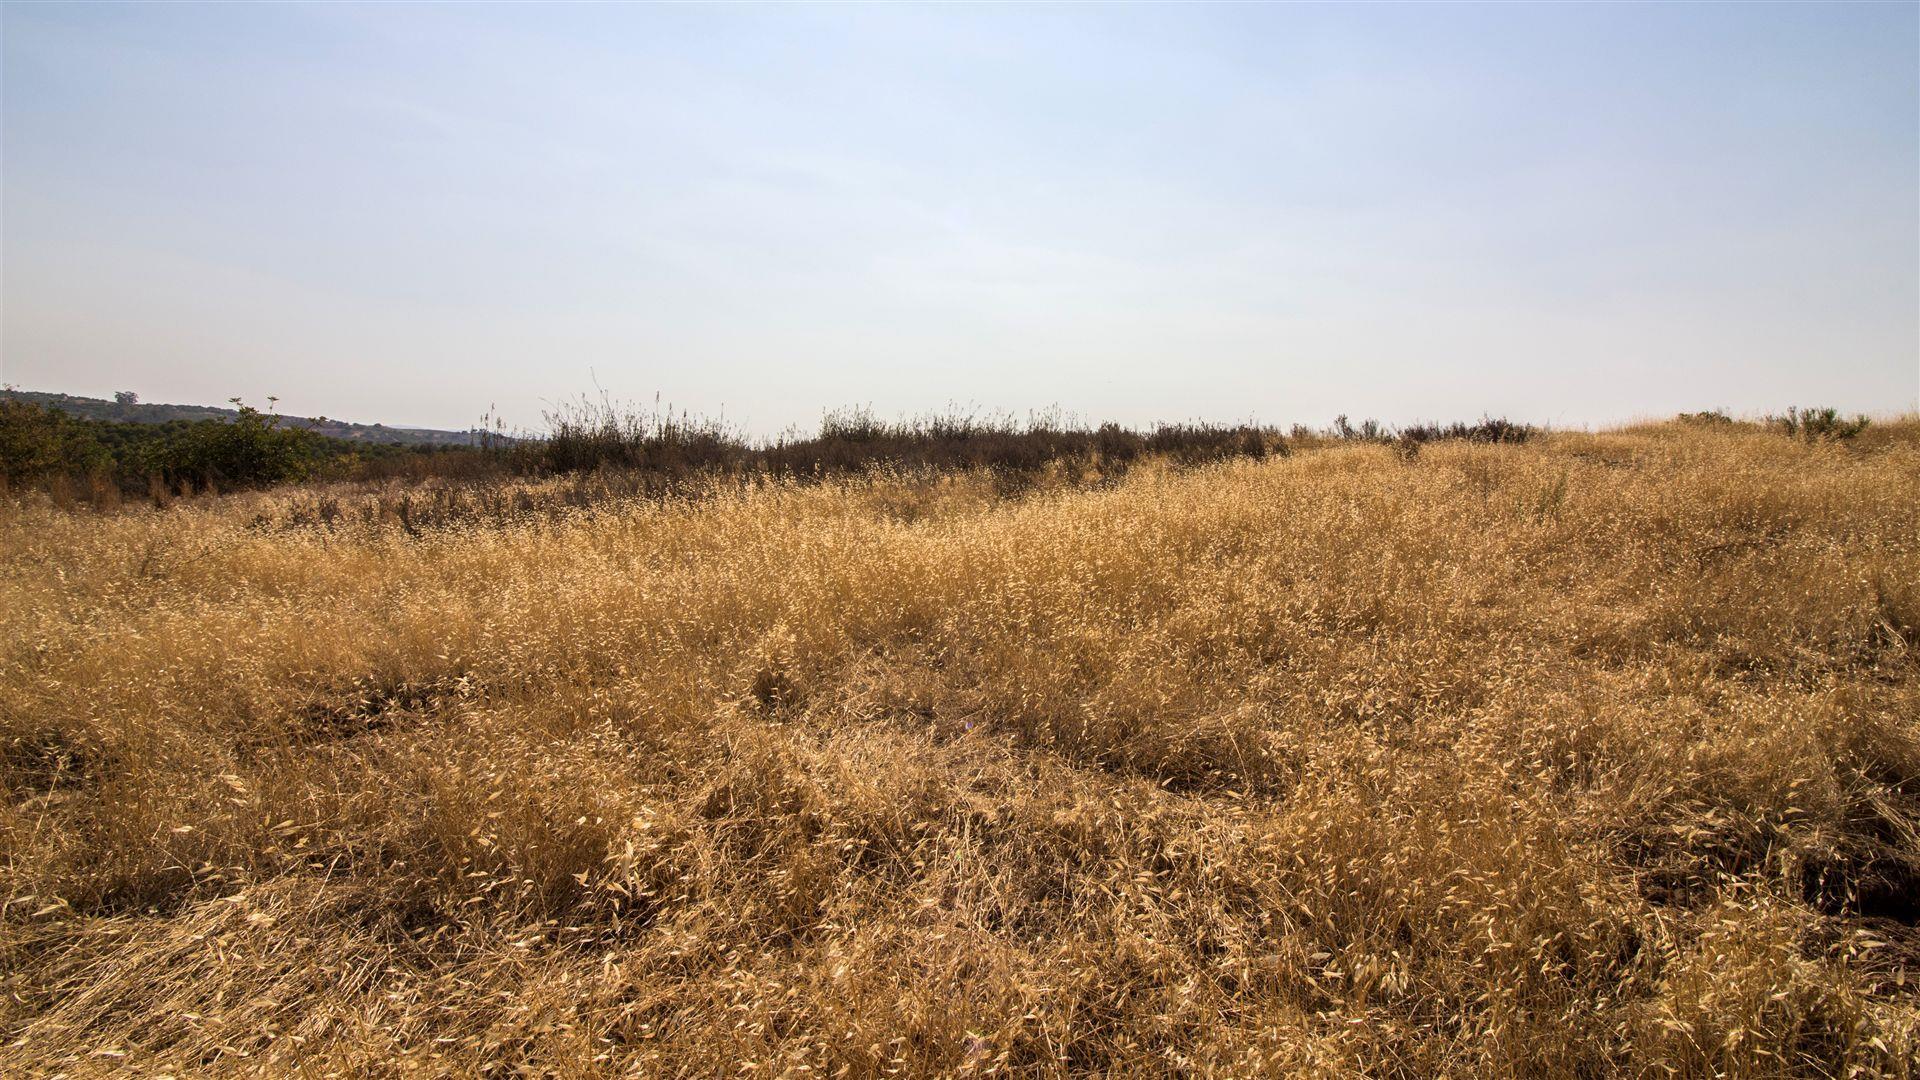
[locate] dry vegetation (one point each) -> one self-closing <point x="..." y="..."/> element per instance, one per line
<point x="1597" y="755"/>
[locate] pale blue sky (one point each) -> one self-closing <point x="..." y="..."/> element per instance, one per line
<point x="1571" y="214"/>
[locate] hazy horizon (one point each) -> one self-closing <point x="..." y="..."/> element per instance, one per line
<point x="1569" y="214"/>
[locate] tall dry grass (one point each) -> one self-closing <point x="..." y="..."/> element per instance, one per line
<point x="1593" y="756"/>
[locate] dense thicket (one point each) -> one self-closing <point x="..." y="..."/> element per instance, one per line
<point x="42" y="445"/>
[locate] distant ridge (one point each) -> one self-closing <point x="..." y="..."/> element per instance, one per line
<point x="87" y="408"/>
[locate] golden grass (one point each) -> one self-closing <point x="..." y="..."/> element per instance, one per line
<point x="1595" y="756"/>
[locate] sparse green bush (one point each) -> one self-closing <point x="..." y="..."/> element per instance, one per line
<point x="1369" y="430"/>
<point x="1817" y="425"/>
<point x="1706" y="418"/>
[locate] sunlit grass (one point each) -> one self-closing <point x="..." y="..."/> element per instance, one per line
<point x="1598" y="754"/>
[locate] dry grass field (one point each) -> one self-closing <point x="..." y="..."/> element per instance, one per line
<point x="1593" y="756"/>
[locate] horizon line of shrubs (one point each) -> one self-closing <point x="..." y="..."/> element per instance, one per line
<point x="44" y="445"/>
<point x="591" y="435"/>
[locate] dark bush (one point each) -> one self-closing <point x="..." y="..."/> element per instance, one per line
<point x="1817" y="425"/>
<point x="1198" y="443"/>
<point x="253" y="449"/>
<point x="593" y="435"/>
<point x="1368" y="431"/>
<point x="38" y="443"/>
<point x="1409" y="439"/>
<point x="1488" y="430"/>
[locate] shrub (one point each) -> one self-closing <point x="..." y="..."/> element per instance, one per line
<point x="1706" y="418"/>
<point x="254" y="449"/>
<point x="1370" y="430"/>
<point x="1409" y="439"/>
<point x="1817" y="425"/>
<point x="1200" y="443"/>
<point x="1488" y="430"/>
<point x="591" y="435"/>
<point x="39" y="442"/>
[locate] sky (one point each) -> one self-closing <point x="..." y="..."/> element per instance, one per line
<point x="1568" y="214"/>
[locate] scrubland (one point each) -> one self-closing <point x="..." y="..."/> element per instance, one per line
<point x="1597" y="755"/>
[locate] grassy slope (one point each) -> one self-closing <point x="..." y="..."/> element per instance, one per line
<point x="1594" y="755"/>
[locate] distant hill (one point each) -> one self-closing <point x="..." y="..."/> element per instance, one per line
<point x="87" y="408"/>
